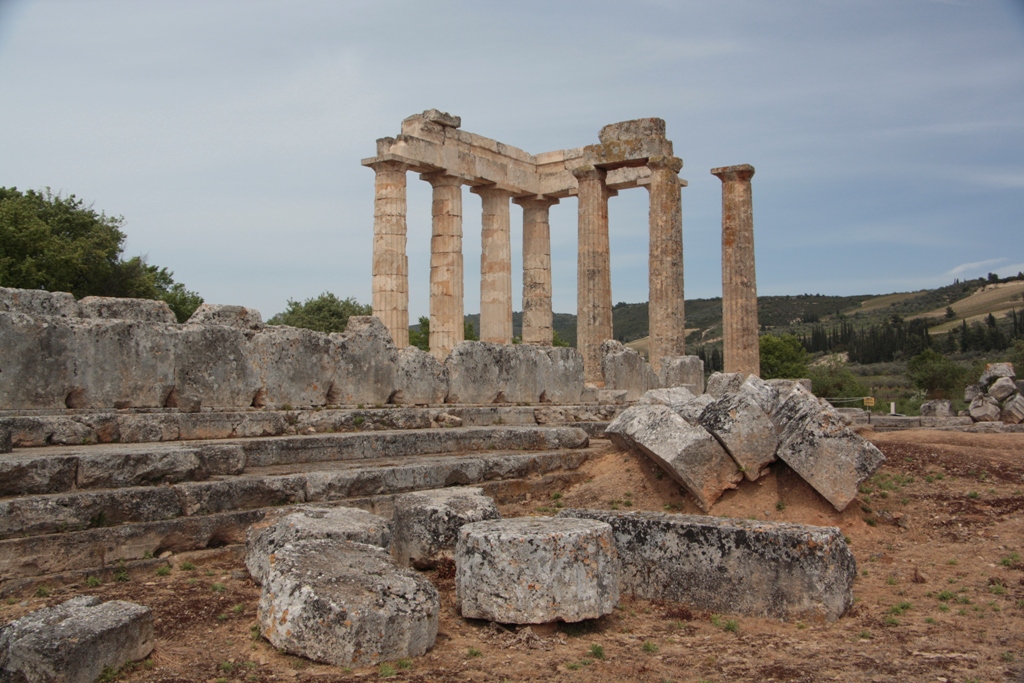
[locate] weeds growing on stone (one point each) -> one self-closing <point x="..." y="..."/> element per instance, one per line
<point x="386" y="670"/>
<point x="164" y="570"/>
<point x="93" y="582"/>
<point x="186" y="566"/>
<point x="42" y="592"/>
<point x="404" y="664"/>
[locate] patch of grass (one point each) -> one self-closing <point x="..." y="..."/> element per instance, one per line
<point x="891" y="621"/>
<point x="943" y="608"/>
<point x="891" y="580"/>
<point x="573" y="666"/>
<point x="780" y="506"/>
<point x="164" y="570"/>
<point x="945" y="596"/>
<point x="1010" y="559"/>
<point x="951" y="562"/>
<point x="358" y="420"/>
<point x="963" y="599"/>
<point x="93" y="582"/>
<point x="217" y="587"/>
<point x="238" y="609"/>
<point x="404" y="664"/>
<point x="974" y="495"/>
<point x="254" y="631"/>
<point x="226" y="666"/>
<point x="1007" y="656"/>
<point x="597" y="651"/>
<point x="43" y="592"/>
<point x="871" y="521"/>
<point x="865" y="635"/>
<point x="997" y="589"/>
<point x="650" y="647"/>
<point x="557" y="495"/>
<point x="930" y="620"/>
<point x="473" y="652"/>
<point x="186" y="566"/>
<point x="732" y="626"/>
<point x="900" y="608"/>
<point x="385" y="670"/>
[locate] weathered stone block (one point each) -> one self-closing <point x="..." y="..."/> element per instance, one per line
<point x="994" y="371"/>
<point x="115" y="308"/>
<point x="239" y="317"/>
<point x="612" y="397"/>
<point x="632" y="130"/>
<point x="763" y="393"/>
<point x="36" y="361"/>
<point x="480" y="372"/>
<point x="296" y="367"/>
<point x="75" y="641"/>
<point x="815" y="442"/>
<point x="308" y="523"/>
<point x="984" y="408"/>
<point x="366" y="365"/>
<point x="531" y="570"/>
<point x="971" y="392"/>
<point x="682" y="371"/>
<point x="783" y="571"/>
<point x="744" y="430"/>
<point x="427" y="523"/>
<point x="563" y="382"/>
<point x="28" y="473"/>
<point x="346" y="604"/>
<point x="937" y="408"/>
<point x="217" y="364"/>
<point x="1002" y="389"/>
<point x="784" y="386"/>
<point x="689" y="453"/>
<point x="39" y="302"/>
<point x="674" y="397"/>
<point x="6" y="438"/>
<point x="420" y="378"/>
<point x="625" y="368"/>
<point x="1013" y="410"/>
<point x="722" y="383"/>
<point x="691" y="410"/>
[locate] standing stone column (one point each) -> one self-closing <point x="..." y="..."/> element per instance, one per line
<point x="594" y="272"/>
<point x="446" y="278"/>
<point x="495" y="266"/>
<point x="390" y="263"/>
<point x="538" y="325"/>
<point x="665" y="265"/>
<point x="739" y="283"/>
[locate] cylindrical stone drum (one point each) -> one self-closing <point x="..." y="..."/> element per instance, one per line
<point x="535" y="570"/>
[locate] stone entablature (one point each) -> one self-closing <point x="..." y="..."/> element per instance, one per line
<point x="629" y="154"/>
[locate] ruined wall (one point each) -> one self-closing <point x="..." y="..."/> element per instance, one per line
<point x="58" y="353"/>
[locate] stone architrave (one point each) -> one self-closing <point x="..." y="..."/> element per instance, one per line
<point x="446" y="272"/>
<point x="390" y="263"/>
<point x="665" y="267"/>
<point x="593" y="275"/>
<point x="739" y="281"/>
<point x="495" y="266"/>
<point x="538" y="319"/>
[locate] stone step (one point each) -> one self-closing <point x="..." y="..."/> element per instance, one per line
<point x="77" y="427"/>
<point x="61" y="469"/>
<point x="269" y="486"/>
<point x="73" y="555"/>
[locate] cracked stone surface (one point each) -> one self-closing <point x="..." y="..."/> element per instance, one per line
<point x="426" y="523"/>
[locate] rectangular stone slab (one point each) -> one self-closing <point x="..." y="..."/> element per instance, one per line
<point x="768" y="569"/>
<point x="689" y="453"/>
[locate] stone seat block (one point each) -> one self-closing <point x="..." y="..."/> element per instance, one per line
<point x="75" y="641"/>
<point x="308" y="523"/>
<point x="427" y="523"/>
<point x="530" y="570"/>
<point x="768" y="569"/>
<point x="346" y="604"/>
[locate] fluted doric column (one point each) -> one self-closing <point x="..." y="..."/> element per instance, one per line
<point x="538" y="327"/>
<point x="594" y="273"/>
<point x="390" y="263"/>
<point x="495" y="266"/>
<point x="446" y="273"/>
<point x="665" y="264"/>
<point x="739" y="282"/>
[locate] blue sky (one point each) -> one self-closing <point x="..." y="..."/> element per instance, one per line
<point x="888" y="135"/>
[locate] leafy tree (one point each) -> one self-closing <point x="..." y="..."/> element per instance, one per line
<point x="782" y="356"/>
<point x="950" y="313"/>
<point x="61" y="245"/>
<point x="420" y="338"/>
<point x="833" y="379"/>
<point x="469" y="331"/>
<point x="325" y="313"/>
<point x="1017" y="357"/>
<point x="556" y="340"/>
<point x="936" y="375"/>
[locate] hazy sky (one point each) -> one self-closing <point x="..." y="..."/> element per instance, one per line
<point x="888" y="135"/>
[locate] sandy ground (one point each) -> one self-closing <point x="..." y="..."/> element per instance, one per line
<point x="938" y="535"/>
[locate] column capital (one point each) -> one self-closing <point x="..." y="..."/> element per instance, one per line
<point x="535" y="201"/>
<point x="589" y="173"/>
<point x="442" y="179"/>
<point x="674" y="164"/>
<point x="490" y="191"/>
<point x="731" y="173"/>
<point x="387" y="165"/>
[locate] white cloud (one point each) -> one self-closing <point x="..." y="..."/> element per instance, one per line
<point x="974" y="267"/>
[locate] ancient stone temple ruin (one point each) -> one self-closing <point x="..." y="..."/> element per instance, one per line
<point x="629" y="154"/>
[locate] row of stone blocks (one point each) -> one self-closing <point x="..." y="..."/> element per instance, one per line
<point x="711" y="442"/>
<point x="333" y="593"/>
<point x="224" y="356"/>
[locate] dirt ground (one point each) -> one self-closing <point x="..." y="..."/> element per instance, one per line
<point x="938" y="535"/>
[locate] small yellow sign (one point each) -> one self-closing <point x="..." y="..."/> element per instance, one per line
<point x="869" y="401"/>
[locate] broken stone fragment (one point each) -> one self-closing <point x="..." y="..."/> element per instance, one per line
<point x="536" y="570"/>
<point x="1013" y="410"/>
<point x="625" y="368"/>
<point x="743" y="429"/>
<point x="722" y="383"/>
<point x="688" y="453"/>
<point x="937" y="408"/>
<point x="682" y="371"/>
<point x="971" y="392"/>
<point x="346" y="604"/>
<point x="309" y="523"/>
<point x="784" y="386"/>
<point x="994" y="371"/>
<point x="39" y="302"/>
<point x="763" y="393"/>
<point x="75" y="641"/>
<point x="984" y="408"/>
<point x="239" y="317"/>
<point x="1002" y="389"/>
<point x="691" y="410"/>
<point x="815" y="442"/>
<point x="114" y="308"/>
<point x="782" y="571"/>
<point x="673" y="397"/>
<point x="426" y="523"/>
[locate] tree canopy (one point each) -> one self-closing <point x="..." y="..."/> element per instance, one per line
<point x="324" y="313"/>
<point x="61" y="245"/>
<point x="783" y="357"/>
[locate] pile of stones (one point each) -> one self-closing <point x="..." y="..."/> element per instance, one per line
<point x="997" y="397"/>
<point x="712" y="441"/>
